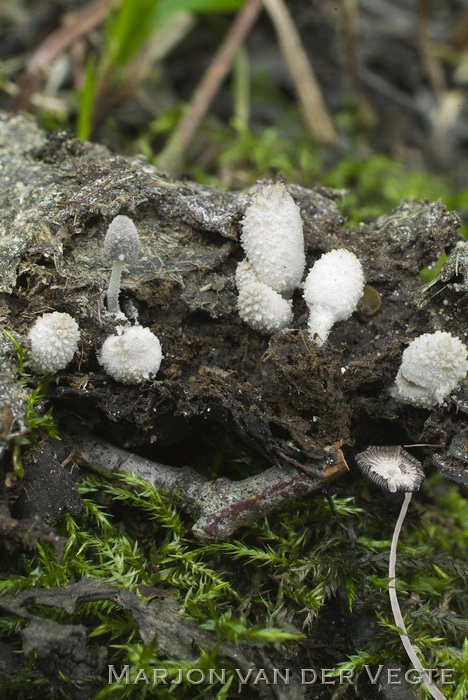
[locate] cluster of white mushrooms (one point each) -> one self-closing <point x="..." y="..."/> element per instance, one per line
<point x="432" y="365"/>
<point x="272" y="238"/>
<point x="133" y="354"/>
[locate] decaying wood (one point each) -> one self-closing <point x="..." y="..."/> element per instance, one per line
<point x="62" y="647"/>
<point x="220" y="506"/>
<point x="278" y="399"/>
<point x="27" y="532"/>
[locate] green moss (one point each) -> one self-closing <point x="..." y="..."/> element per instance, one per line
<point x="132" y="534"/>
<point x="37" y="420"/>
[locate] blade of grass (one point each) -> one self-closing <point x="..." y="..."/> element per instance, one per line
<point x="128" y="29"/>
<point x="308" y="90"/>
<point x="167" y="8"/>
<point x="171" y="157"/>
<point x="84" y="122"/>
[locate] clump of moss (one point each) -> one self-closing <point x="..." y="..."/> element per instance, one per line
<point x="280" y="577"/>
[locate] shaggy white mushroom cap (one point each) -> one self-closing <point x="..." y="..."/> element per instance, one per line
<point x="391" y="467"/>
<point x="54" y="340"/>
<point x="260" y="306"/>
<point x="332" y="291"/>
<point x="272" y="238"/>
<point x="431" y="367"/>
<point x="131" y="356"/>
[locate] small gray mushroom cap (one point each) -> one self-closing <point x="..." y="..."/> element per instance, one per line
<point x="122" y="241"/>
<point x="391" y="468"/>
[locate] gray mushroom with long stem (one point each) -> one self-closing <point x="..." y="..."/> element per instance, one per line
<point x="393" y="469"/>
<point x="121" y="245"/>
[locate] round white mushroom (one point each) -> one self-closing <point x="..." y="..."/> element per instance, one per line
<point x="432" y="366"/>
<point x="332" y="291"/>
<point x="54" y="340"/>
<point x="131" y="356"/>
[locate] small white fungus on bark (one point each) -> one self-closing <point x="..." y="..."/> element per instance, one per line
<point x="261" y="307"/>
<point x="273" y="242"/>
<point x="121" y="245"/>
<point x="432" y="366"/>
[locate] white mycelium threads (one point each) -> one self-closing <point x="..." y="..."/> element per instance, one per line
<point x="394" y="469"/>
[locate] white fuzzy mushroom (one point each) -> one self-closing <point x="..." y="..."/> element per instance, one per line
<point x="391" y="468"/>
<point x="54" y="340"/>
<point x="131" y="356"/>
<point x="273" y="240"/>
<point x="261" y="307"/>
<point x="432" y="366"/>
<point x="332" y="291"/>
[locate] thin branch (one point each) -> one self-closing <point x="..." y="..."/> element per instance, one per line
<point x="28" y="532"/>
<point x="114" y="89"/>
<point x="171" y="157"/>
<point x="308" y="90"/>
<point x="219" y="506"/>
<point x="53" y="46"/>
<point x="431" y="66"/>
<point x="350" y="29"/>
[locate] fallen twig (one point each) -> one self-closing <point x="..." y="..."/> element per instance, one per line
<point x="431" y="65"/>
<point x="308" y="90"/>
<point x="53" y="46"/>
<point x="28" y="532"/>
<point x="158" y="621"/>
<point x="170" y="158"/>
<point x="219" y="506"/>
<point x="350" y="29"/>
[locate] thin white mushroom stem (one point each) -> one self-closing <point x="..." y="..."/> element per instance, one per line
<point x="114" y="287"/>
<point x="434" y="691"/>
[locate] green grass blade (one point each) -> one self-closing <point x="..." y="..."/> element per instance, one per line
<point x="85" y="113"/>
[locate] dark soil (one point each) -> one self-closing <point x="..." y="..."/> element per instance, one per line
<point x="280" y="397"/>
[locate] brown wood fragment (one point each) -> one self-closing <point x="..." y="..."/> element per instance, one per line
<point x="220" y="506"/>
